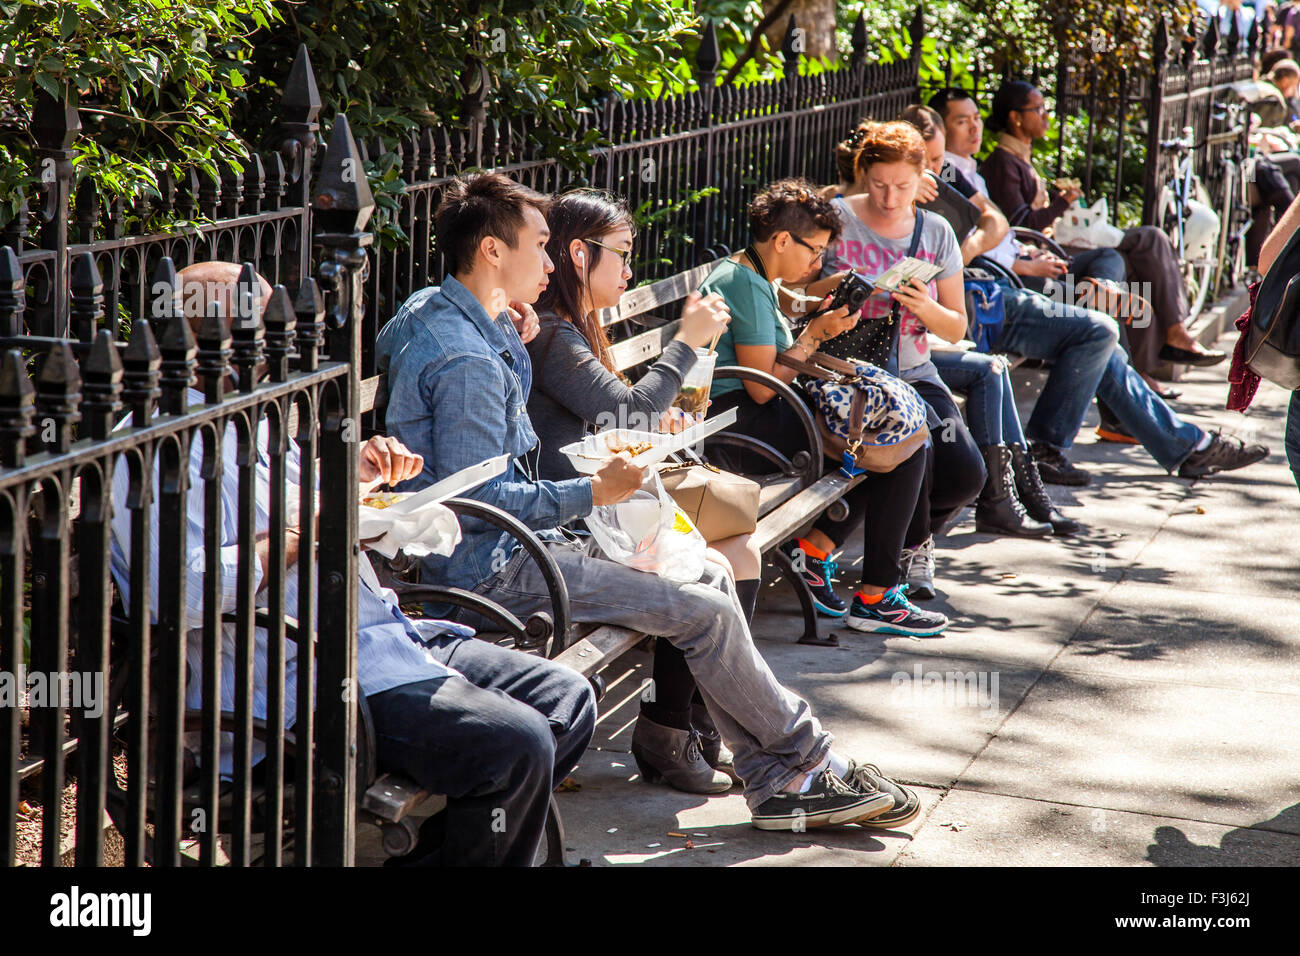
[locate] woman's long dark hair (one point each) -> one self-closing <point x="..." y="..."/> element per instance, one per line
<point x="580" y="214"/>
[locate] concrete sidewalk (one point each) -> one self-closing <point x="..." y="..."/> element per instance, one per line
<point x="1128" y="696"/>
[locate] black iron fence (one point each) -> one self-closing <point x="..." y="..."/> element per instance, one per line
<point x="1109" y="122"/>
<point x="90" y="328"/>
<point x="66" y="375"/>
<point x="687" y="164"/>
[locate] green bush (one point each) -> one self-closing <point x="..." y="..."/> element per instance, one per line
<point x="157" y="78"/>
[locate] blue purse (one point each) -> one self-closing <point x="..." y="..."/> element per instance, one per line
<point x="986" y="310"/>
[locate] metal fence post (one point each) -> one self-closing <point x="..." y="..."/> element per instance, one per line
<point x="341" y="210"/>
<point x="791" y="45"/>
<point x="1155" y="105"/>
<point x="707" y="58"/>
<point x="55" y="125"/>
<point x="299" y="107"/>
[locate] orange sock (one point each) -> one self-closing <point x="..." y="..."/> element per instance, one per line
<point x="869" y="598"/>
<point x="812" y="552"/>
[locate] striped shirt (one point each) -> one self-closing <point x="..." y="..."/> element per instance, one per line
<point x="389" y="651"/>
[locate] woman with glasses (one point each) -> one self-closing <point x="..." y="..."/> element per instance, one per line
<point x="1019" y="116"/>
<point x="576" y="389"/>
<point x="791" y="228"/>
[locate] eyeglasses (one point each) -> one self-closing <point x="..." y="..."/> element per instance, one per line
<point x="1040" y="109"/>
<point x="625" y="255"/>
<point x="817" y="253"/>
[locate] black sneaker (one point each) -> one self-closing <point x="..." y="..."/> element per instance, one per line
<point x="819" y="575"/>
<point x="1222" y="454"/>
<point x="907" y="805"/>
<point x="1055" y="469"/>
<point x="829" y="802"/>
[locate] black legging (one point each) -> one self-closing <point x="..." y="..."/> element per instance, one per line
<point x="957" y="474"/>
<point x="883" y="503"/>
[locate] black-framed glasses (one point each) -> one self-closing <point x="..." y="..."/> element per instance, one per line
<point x="624" y="254"/>
<point x="1040" y="109"/>
<point x="817" y="253"/>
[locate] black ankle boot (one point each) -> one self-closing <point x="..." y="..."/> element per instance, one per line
<point x="715" y="752"/>
<point x="1033" y="495"/>
<point x="998" y="510"/>
<point x="673" y="756"/>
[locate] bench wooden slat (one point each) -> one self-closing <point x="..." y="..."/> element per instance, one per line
<point x="775" y="493"/>
<point x="781" y="524"/>
<point x="641" y="348"/>
<point x="599" y="647"/>
<point x="644" y="298"/>
<point x="391" y="797"/>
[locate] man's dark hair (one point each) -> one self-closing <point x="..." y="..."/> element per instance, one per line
<point x="927" y="122"/>
<point x="949" y="94"/>
<point x="793" y="206"/>
<point x="485" y="204"/>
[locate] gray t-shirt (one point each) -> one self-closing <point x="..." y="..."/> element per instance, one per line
<point x="871" y="254"/>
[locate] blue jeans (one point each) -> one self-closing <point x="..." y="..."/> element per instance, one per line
<point x="1078" y="342"/>
<point x="990" y="404"/>
<point x="1092" y="264"/>
<point x="1145" y="415"/>
<point x="1099" y="264"/>
<point x="1293" y="435"/>
<point x="497" y="744"/>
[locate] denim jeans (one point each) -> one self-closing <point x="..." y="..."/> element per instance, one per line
<point x="1078" y="342"/>
<point x="1293" y="435"/>
<point x="990" y="404"/>
<point x="955" y="475"/>
<point x="772" y="732"/>
<point x="1091" y="264"/>
<point x="1144" y="414"/>
<point x="496" y="744"/>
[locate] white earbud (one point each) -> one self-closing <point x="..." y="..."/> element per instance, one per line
<point x="580" y="256"/>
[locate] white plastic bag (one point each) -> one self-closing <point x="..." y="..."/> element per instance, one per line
<point x="429" y="529"/>
<point x="1087" y="228"/>
<point x="650" y="533"/>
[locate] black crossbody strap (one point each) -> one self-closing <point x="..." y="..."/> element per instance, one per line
<point x="915" y="244"/>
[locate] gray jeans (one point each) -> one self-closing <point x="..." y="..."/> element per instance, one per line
<point x="772" y="732"/>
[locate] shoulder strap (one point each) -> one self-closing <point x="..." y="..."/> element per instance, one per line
<point x="916" y="233"/>
<point x="821" y="366"/>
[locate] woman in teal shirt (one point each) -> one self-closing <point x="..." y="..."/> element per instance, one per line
<point x="791" y="228"/>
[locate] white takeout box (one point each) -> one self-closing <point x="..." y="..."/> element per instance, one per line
<point x="419" y="518"/>
<point x="587" y="456"/>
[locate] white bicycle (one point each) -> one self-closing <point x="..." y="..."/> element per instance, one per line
<point x="1185" y="212"/>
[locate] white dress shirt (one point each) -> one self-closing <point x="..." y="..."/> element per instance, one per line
<point x="388" y="652"/>
<point x="1007" y="251"/>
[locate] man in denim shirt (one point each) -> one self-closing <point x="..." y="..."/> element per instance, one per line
<point x="458" y="378"/>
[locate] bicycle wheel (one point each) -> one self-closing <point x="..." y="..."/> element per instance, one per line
<point x="1198" y="273"/>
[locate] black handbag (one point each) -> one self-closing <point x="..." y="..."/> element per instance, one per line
<point x="1273" y="335"/>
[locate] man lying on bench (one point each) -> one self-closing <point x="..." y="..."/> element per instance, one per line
<point x="491" y="728"/>
<point x="459" y="377"/>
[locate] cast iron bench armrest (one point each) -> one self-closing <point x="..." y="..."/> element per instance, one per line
<point x="550" y="571"/>
<point x="533" y="634"/>
<point x="812" y="468"/>
<point x="1035" y="238"/>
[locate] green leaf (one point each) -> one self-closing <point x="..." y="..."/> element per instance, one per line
<point x="68" y="22"/>
<point x="48" y="85"/>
